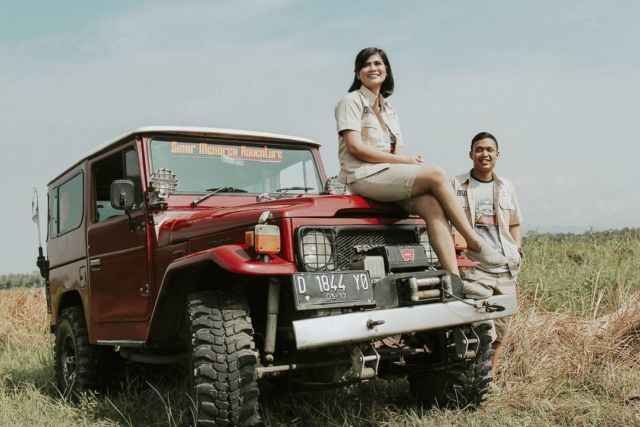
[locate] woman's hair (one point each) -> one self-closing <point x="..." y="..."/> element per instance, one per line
<point x="361" y="59"/>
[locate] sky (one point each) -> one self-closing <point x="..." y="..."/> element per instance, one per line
<point x="558" y="84"/>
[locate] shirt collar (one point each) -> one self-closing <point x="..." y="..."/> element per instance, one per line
<point x="467" y="177"/>
<point x="371" y="97"/>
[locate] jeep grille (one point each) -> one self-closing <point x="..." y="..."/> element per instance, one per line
<point x="347" y="240"/>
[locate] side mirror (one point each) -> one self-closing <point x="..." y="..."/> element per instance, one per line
<point x="122" y="195"/>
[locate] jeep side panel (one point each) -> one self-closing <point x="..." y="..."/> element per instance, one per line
<point x="66" y="249"/>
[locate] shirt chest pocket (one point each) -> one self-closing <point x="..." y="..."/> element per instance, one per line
<point x="506" y="203"/>
<point x="371" y="132"/>
<point x="505" y="213"/>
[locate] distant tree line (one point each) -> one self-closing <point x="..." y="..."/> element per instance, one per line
<point x="34" y="280"/>
<point x="21" y="280"/>
<point x="626" y="233"/>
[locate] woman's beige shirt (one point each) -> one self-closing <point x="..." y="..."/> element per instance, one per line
<point x="356" y="112"/>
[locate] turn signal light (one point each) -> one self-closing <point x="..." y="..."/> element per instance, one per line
<point x="249" y="238"/>
<point x="264" y="239"/>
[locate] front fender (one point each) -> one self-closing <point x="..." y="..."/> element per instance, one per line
<point x="195" y="272"/>
<point x="234" y="259"/>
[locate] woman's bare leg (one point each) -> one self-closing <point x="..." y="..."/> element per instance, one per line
<point x="433" y="180"/>
<point x="439" y="231"/>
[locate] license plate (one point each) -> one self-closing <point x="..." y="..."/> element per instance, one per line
<point x="346" y="288"/>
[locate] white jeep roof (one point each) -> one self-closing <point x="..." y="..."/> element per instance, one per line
<point x="193" y="131"/>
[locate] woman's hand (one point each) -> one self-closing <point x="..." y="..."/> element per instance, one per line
<point x="415" y="160"/>
<point x="410" y="160"/>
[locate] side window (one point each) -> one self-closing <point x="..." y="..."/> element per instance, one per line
<point x="70" y="204"/>
<point x="122" y="165"/>
<point x="66" y="206"/>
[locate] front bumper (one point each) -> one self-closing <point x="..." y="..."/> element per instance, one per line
<point x="365" y="325"/>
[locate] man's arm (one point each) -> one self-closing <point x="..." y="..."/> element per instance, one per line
<point x="516" y="220"/>
<point x="514" y="230"/>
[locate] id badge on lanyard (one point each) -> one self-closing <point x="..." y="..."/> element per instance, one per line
<point x="392" y="141"/>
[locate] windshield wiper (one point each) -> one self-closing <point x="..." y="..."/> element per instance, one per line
<point x="216" y="190"/>
<point x="285" y="190"/>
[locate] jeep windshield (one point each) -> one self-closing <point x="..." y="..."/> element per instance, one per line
<point x="203" y="165"/>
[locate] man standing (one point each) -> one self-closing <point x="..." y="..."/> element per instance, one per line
<point x="491" y="205"/>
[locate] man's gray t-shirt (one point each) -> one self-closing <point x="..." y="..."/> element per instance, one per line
<point x="486" y="219"/>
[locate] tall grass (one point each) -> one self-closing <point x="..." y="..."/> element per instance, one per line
<point x="587" y="275"/>
<point x="573" y="358"/>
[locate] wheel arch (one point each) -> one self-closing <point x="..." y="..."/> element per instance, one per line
<point x="203" y="271"/>
<point x="70" y="298"/>
<point x="172" y="297"/>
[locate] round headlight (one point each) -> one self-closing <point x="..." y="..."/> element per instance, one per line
<point x="317" y="251"/>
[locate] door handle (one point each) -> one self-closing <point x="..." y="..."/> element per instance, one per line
<point x="83" y="276"/>
<point x="94" y="263"/>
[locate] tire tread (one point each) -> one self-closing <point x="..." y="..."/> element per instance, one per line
<point x="463" y="384"/>
<point x="224" y="359"/>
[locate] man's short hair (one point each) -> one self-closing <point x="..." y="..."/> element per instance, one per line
<point x="483" y="135"/>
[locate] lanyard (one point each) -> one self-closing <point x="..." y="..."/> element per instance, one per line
<point x="383" y="124"/>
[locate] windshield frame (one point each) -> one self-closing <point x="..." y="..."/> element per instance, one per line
<point x="316" y="169"/>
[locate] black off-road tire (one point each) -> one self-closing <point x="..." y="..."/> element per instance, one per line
<point x="223" y="360"/>
<point x="80" y="366"/>
<point x="462" y="383"/>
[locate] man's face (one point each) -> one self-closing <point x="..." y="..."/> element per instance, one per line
<point x="484" y="155"/>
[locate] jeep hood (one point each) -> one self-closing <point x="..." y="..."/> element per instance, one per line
<point x="175" y="225"/>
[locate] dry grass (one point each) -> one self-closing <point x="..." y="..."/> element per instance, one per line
<point x="573" y="358"/>
<point x="580" y="371"/>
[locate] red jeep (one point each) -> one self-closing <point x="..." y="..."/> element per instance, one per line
<point x="230" y="251"/>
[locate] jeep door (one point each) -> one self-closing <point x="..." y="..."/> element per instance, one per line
<point x="117" y="246"/>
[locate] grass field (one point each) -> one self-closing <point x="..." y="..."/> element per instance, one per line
<point x="573" y="358"/>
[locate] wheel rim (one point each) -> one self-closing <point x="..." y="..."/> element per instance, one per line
<point x="68" y="361"/>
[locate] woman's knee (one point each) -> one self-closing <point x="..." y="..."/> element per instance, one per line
<point x="438" y="174"/>
<point x="431" y="175"/>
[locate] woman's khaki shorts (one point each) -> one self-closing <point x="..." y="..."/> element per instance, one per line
<point x="389" y="185"/>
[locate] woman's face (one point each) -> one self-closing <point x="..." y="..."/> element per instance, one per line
<point x="373" y="73"/>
